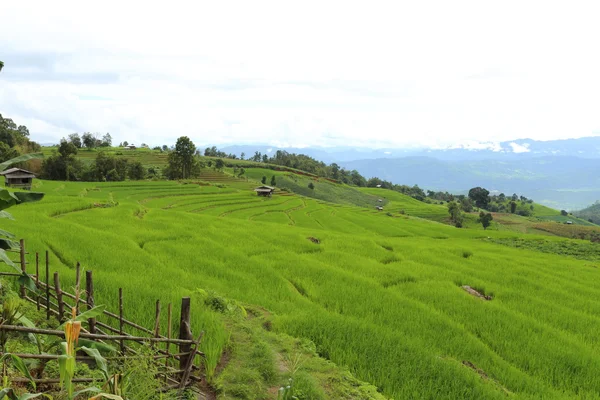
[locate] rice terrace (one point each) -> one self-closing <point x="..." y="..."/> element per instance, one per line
<point x="379" y="294"/>
<point x="270" y="200"/>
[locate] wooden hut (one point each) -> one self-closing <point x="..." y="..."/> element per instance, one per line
<point x="18" y="178"/>
<point x="266" y="191"/>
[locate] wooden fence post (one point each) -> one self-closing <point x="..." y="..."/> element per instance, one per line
<point x="61" y="305"/>
<point x="37" y="279"/>
<point x="169" y="332"/>
<point x="156" y="322"/>
<point x="122" y="344"/>
<point x="77" y="287"/>
<point x="185" y="333"/>
<point x="47" y="287"/>
<point x="89" y="289"/>
<point x="23" y="266"/>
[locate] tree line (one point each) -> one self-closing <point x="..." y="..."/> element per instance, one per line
<point x="480" y="198"/>
<point x="63" y="165"/>
<point x="184" y="162"/>
<point x="14" y="140"/>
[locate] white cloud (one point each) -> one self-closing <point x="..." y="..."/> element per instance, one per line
<point x="518" y="148"/>
<point x="313" y="73"/>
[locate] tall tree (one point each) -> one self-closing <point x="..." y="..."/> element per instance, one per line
<point x="181" y="160"/>
<point x="480" y="196"/>
<point x="455" y="214"/>
<point x="485" y="219"/>
<point x="88" y="140"/>
<point x="1" y="65"/>
<point x="66" y="149"/>
<point x="75" y="139"/>
<point x="106" y="140"/>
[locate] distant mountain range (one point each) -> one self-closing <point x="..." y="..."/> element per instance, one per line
<point x="558" y="173"/>
<point x="588" y="147"/>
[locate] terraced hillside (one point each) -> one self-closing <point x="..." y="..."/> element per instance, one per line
<point x="379" y="294"/>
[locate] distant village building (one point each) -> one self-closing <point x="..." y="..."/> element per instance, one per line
<point x="18" y="178"/>
<point x="380" y="200"/>
<point x="266" y="191"/>
<point x="378" y="186"/>
<point x="569" y="222"/>
<point x="130" y="147"/>
<point x="379" y="208"/>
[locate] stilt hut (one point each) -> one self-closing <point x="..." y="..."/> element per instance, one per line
<point x="18" y="178"/>
<point x="266" y="191"/>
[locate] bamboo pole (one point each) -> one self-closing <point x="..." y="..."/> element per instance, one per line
<point x="37" y="278"/>
<point x="50" y="380"/>
<point x="157" y="320"/>
<point x="169" y="330"/>
<point x="47" y="287"/>
<point x="23" y="265"/>
<point x="80" y="358"/>
<point x="121" y="318"/>
<point x="85" y="335"/>
<point x="77" y="286"/>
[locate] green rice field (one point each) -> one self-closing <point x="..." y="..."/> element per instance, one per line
<point x="378" y="293"/>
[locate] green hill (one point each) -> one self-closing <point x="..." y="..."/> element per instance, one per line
<point x="590" y="213"/>
<point x="378" y="293"/>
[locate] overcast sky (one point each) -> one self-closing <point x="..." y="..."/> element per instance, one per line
<point x="323" y="73"/>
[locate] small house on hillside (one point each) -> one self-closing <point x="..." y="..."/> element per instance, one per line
<point x="264" y="190"/>
<point x="18" y="178"/>
<point x="379" y="208"/>
<point x="130" y="147"/>
<point x="378" y="186"/>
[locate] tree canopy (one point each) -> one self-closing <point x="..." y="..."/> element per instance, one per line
<point x="182" y="161"/>
<point x="480" y="196"/>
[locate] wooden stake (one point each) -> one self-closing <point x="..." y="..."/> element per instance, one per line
<point x="185" y="332"/>
<point x="157" y="321"/>
<point x="23" y="265"/>
<point x="47" y="287"/>
<point x="89" y="295"/>
<point x="77" y="286"/>
<point x="61" y="305"/>
<point x="121" y="319"/>
<point x="188" y="368"/>
<point x="37" y="279"/>
<point x="169" y="331"/>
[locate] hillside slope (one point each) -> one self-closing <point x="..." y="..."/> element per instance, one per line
<point x="590" y="213"/>
<point x="377" y="293"/>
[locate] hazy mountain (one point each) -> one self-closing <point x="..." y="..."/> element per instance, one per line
<point x="590" y="213"/>
<point x="588" y="147"/>
<point x="558" y="181"/>
<point x="558" y="173"/>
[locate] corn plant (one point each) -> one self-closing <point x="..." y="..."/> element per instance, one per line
<point x="11" y="395"/>
<point x="66" y="360"/>
<point x="287" y="392"/>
